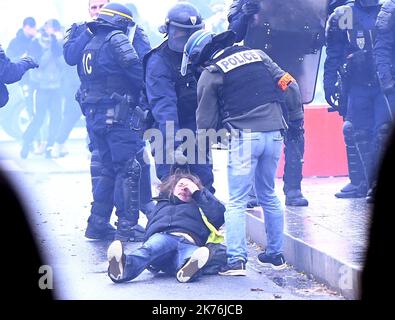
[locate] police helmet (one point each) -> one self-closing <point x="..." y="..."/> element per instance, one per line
<point x="116" y="15"/>
<point x="368" y="3"/>
<point x="181" y="22"/>
<point x="202" y="45"/>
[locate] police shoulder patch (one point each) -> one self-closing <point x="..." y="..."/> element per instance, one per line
<point x="211" y="68"/>
<point x="239" y="59"/>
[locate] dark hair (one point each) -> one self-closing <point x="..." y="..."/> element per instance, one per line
<point x="29" y="21"/>
<point x="54" y="23"/>
<point x="167" y="186"/>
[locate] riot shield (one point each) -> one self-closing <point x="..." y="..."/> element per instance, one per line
<point x="292" y="33"/>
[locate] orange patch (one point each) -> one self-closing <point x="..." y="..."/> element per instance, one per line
<point x="285" y="81"/>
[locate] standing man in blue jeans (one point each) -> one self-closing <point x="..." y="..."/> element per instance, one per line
<point x="242" y="89"/>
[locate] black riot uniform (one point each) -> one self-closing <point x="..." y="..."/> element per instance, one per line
<point x="171" y="96"/>
<point x="76" y="39"/>
<point x="384" y="49"/>
<point x="240" y="14"/>
<point x="368" y="108"/>
<point x="111" y="80"/>
<point x="338" y="101"/>
<point x="11" y="72"/>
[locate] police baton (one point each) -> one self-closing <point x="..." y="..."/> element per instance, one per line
<point x="387" y="103"/>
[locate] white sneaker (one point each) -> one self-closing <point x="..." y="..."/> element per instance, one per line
<point x="196" y="262"/>
<point x="116" y="260"/>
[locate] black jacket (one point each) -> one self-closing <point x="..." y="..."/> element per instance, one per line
<point x="174" y="215"/>
<point x="20" y="46"/>
<point x="10" y="72"/>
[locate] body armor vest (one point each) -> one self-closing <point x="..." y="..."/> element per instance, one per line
<point x="247" y="82"/>
<point x="186" y="87"/>
<point x="361" y="40"/>
<point x="98" y="81"/>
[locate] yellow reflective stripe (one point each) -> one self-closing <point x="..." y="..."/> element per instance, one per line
<point x="107" y="14"/>
<point x="112" y="12"/>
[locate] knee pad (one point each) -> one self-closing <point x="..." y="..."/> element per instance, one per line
<point x="96" y="165"/>
<point x="348" y="133"/>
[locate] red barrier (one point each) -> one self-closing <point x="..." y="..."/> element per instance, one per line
<point x="325" y="151"/>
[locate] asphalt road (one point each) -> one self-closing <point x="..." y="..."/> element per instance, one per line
<point x="57" y="193"/>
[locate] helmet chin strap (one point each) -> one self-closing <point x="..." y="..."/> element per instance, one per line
<point x="217" y="53"/>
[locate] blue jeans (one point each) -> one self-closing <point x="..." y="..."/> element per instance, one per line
<point x="253" y="158"/>
<point x="162" y="251"/>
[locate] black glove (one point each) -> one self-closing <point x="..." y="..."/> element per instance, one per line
<point x="29" y="63"/>
<point x="332" y="97"/>
<point x="295" y="129"/>
<point x="358" y="58"/>
<point x="250" y="8"/>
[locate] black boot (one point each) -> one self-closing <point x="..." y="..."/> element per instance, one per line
<point x="357" y="186"/>
<point x="129" y="231"/>
<point x="352" y="191"/>
<point x="148" y="208"/>
<point x="295" y="198"/>
<point x="99" y="228"/>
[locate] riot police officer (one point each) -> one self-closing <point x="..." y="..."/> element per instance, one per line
<point x="239" y="17"/>
<point x="11" y="72"/>
<point x="384" y="49"/>
<point x="111" y="81"/>
<point x="77" y="38"/>
<point x="171" y="96"/>
<point x="368" y="110"/>
<point x="338" y="101"/>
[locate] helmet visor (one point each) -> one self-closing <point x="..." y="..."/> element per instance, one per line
<point x="185" y="61"/>
<point x="178" y="37"/>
